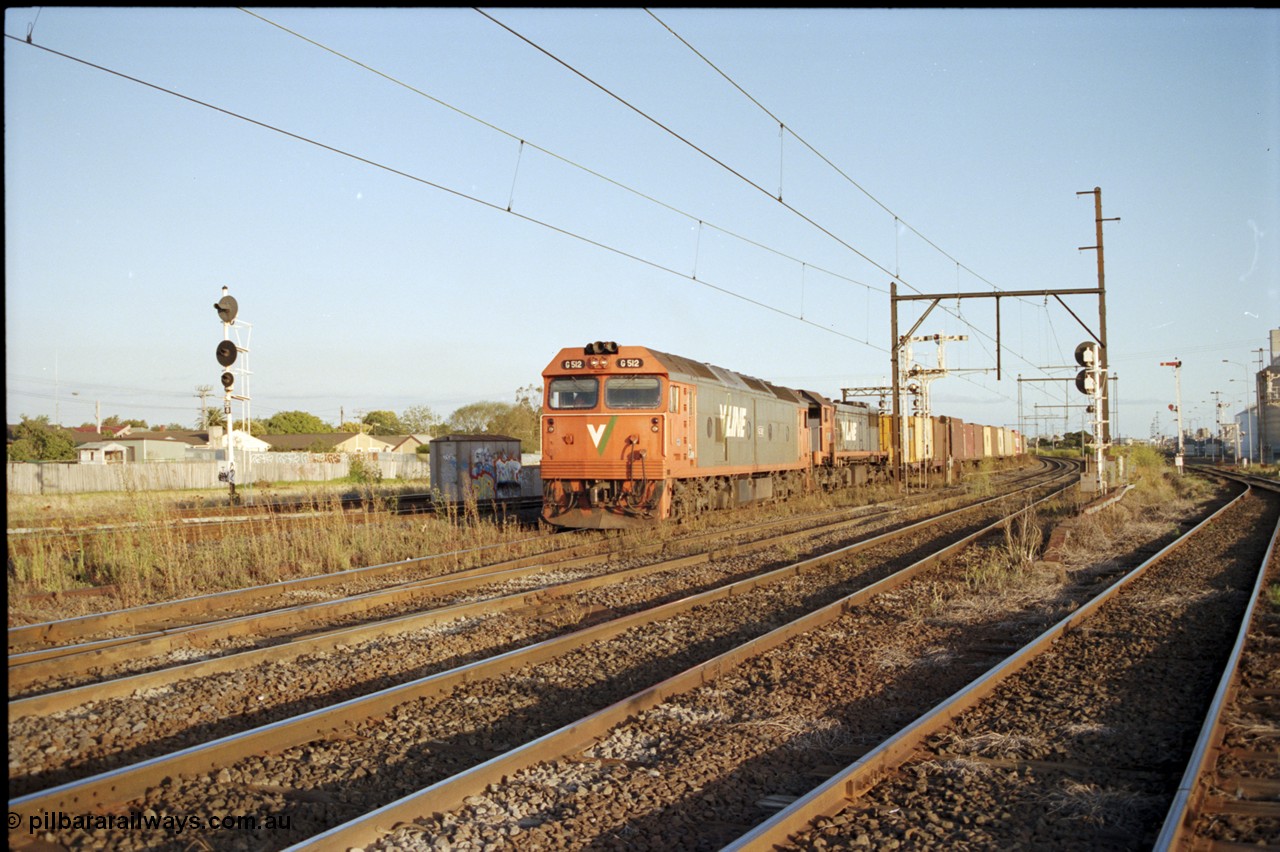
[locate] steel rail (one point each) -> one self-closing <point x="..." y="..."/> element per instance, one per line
<point x="70" y="628"/>
<point x="1176" y="831"/>
<point x="127" y="684"/>
<point x="202" y="636"/>
<point x="35" y="667"/>
<point x="63" y="630"/>
<point x="75" y="696"/>
<point x="131" y="782"/>
<point x="835" y="794"/>
<point x="43" y="665"/>
<point x="353" y="508"/>
<point x="452" y="792"/>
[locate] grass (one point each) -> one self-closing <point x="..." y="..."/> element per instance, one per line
<point x="1007" y="565"/>
<point x="145" y="556"/>
<point x="1091" y="805"/>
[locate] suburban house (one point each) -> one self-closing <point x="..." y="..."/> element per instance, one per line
<point x="406" y="443"/>
<point x="328" y="442"/>
<point x="175" y="445"/>
<point x="102" y="452"/>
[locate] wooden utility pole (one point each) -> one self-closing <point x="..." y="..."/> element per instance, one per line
<point x="898" y="341"/>
<point x="1102" y="310"/>
<point x="894" y="370"/>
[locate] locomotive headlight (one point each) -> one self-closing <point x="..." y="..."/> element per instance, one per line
<point x="654" y="425"/>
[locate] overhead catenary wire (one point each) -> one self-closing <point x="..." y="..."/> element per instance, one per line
<point x="898" y="222"/>
<point x="701" y="222"/>
<point x="783" y="130"/>
<point x="624" y="102"/>
<point x="784" y="127"/>
<point x="452" y="191"/>
<point x="735" y="173"/>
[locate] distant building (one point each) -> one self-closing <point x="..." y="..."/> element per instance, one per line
<point x="102" y="452"/>
<point x="1268" y="404"/>
<point x="406" y="443"/>
<point x="328" y="442"/>
<point x="175" y="445"/>
<point x="158" y="446"/>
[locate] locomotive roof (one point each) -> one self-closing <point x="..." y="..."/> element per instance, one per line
<point x="687" y="368"/>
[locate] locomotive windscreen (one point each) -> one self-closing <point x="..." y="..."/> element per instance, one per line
<point x="632" y="392"/>
<point x="573" y="392"/>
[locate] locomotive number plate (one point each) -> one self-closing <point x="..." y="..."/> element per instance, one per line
<point x="622" y="363"/>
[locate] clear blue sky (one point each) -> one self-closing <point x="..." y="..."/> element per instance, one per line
<point x="361" y="217"/>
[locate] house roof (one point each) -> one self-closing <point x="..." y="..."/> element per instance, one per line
<point x="194" y="439"/>
<point x="401" y="440"/>
<point x="84" y="434"/>
<point x="101" y="445"/>
<point x="307" y="440"/>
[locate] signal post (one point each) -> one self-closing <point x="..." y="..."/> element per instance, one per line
<point x="227" y="352"/>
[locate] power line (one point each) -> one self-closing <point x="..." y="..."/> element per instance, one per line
<point x="558" y="157"/>
<point x="892" y="274"/>
<point x="897" y="219"/>
<point x="690" y="144"/>
<point x="454" y="192"/>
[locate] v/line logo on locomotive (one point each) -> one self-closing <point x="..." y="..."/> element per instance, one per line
<point x="733" y="419"/>
<point x="600" y="434"/>
<point x="733" y="423"/>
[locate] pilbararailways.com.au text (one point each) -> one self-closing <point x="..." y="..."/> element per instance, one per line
<point x="146" y="821"/>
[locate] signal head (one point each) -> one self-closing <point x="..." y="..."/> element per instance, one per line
<point x="226" y="353"/>
<point x="227" y="309"/>
<point x="1087" y="354"/>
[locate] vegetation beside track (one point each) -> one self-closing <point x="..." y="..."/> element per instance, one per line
<point x="145" y="557"/>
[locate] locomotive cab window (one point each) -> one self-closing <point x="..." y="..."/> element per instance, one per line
<point x="632" y="392"/>
<point x="574" y="392"/>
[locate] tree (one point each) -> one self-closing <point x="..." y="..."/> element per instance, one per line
<point x="420" y="420"/>
<point x="519" y="420"/>
<point x="475" y="418"/>
<point x="384" y="423"/>
<point x="1076" y="439"/>
<point x="36" y="440"/>
<point x="115" y="421"/>
<point x="296" y="423"/>
<point x="523" y="419"/>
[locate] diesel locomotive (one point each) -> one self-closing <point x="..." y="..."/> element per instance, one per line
<point x="632" y="436"/>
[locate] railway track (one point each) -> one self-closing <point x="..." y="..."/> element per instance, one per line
<point x="604" y="608"/>
<point x="1230" y="793"/>
<point x="52" y="653"/>
<point x="196" y="523"/>
<point x="1085" y="736"/>
<point x="31" y="642"/>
